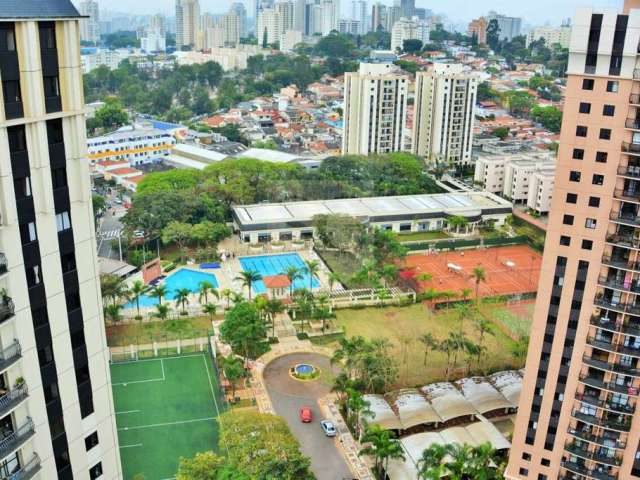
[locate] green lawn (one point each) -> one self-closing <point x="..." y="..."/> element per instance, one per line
<point x="165" y="409"/>
<point x="516" y="320"/>
<point x="140" y="333"/>
<point x="422" y="236"/>
<point x="345" y="265"/>
<point x="403" y="325"/>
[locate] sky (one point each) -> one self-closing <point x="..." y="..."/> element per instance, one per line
<point x="534" y="12"/>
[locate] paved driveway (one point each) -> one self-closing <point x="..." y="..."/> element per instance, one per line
<point x="288" y="395"/>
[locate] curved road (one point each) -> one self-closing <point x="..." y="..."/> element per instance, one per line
<point x="288" y="395"/>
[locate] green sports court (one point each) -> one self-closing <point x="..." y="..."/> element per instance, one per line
<point x="166" y="408"/>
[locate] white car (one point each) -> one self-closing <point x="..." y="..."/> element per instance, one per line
<point x="328" y="428"/>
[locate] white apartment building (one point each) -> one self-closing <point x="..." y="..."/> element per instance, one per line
<point x="268" y="27"/>
<point x="158" y="23"/>
<point x="289" y="40"/>
<point x="56" y="406"/>
<point x="187" y="23"/>
<point x="509" y="26"/>
<point x="137" y="145"/>
<point x="109" y="58"/>
<point x="375" y="110"/>
<point x="378" y="17"/>
<point x="541" y="190"/>
<point x="153" y="41"/>
<point x="518" y="175"/>
<point x="90" y="27"/>
<point x="228" y="58"/>
<point x="239" y="9"/>
<point x="408" y="29"/>
<point x="223" y="31"/>
<point x="349" y="26"/>
<point x="551" y="35"/>
<point x="359" y="13"/>
<point x="444" y="114"/>
<point x="330" y="16"/>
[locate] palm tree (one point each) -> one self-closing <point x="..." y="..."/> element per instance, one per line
<point x="162" y="311"/>
<point x="383" y="446"/>
<point x="234" y="371"/>
<point x="138" y="288"/>
<point x="430" y="464"/>
<point x="332" y="279"/>
<point x="113" y="288"/>
<point x="205" y="289"/>
<point x="457" y="221"/>
<point x="312" y="267"/>
<point x="227" y="294"/>
<point x="341" y="386"/>
<point x="248" y="278"/>
<point x="321" y="311"/>
<point x="480" y="275"/>
<point x="430" y="343"/>
<point x="209" y="309"/>
<point x="457" y="463"/>
<point x="274" y="307"/>
<point x="158" y="292"/>
<point x="182" y="298"/>
<point x="465" y="293"/>
<point x="483" y="461"/>
<point x="483" y="326"/>
<point x="112" y="312"/>
<point x="389" y="273"/>
<point x="237" y="297"/>
<point x="356" y="407"/>
<point x="293" y="273"/>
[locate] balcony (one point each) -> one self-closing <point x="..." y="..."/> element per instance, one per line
<point x="610" y="346"/>
<point x="632" y="123"/>
<point x="10" y="355"/>
<point x="629" y="328"/>
<point x="599" y="439"/>
<point x="7" y="309"/>
<point x="610" y="386"/>
<point x="627" y="195"/>
<point x="628" y="241"/>
<point x="634" y="98"/>
<point x="620" y="262"/>
<point x="16" y="439"/>
<point x="625" y="218"/>
<point x="631" y="148"/>
<point x="4" y="265"/>
<point x="604" y="404"/>
<point x="631" y="171"/>
<point x="581" y="451"/>
<point x="619" y="285"/>
<point x="12" y="398"/>
<point x="28" y="470"/>
<point x="583" y="470"/>
<point x="610" y="366"/>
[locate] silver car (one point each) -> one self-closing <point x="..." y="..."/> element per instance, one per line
<point x="328" y="428"/>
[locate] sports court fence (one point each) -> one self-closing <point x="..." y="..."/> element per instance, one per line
<point x="458" y="243"/>
<point x="221" y="398"/>
<point x="137" y="348"/>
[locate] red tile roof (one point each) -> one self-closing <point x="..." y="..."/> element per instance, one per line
<point x="276" y="281"/>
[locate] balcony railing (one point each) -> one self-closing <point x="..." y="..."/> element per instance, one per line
<point x="624" y="240"/>
<point x="610" y="346"/>
<point x="587" y="472"/>
<point x="634" y="98"/>
<point x="619" y="285"/>
<point x="4" y="265"/>
<point x="618" y="307"/>
<point x="632" y="171"/>
<point x="628" y="328"/>
<point x="12" y="398"/>
<point x="610" y="366"/>
<point x="16" y="439"/>
<point x="620" y="262"/>
<point x="632" y="148"/>
<point x="599" y="439"/>
<point x="610" y="386"/>
<point x="28" y="470"/>
<point x="583" y="452"/>
<point x="632" y="123"/>
<point x="626" y="194"/>
<point x="627" y="218"/>
<point x="7" y="309"/>
<point x="607" y="405"/>
<point x="9" y="355"/>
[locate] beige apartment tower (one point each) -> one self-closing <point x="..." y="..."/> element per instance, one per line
<point x="375" y="110"/>
<point x="56" y="407"/>
<point x="579" y="416"/>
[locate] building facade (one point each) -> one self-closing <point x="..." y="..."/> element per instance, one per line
<point x="550" y="35"/>
<point x="135" y="145"/>
<point x="578" y="415"/>
<point x="90" y="27"/>
<point x="187" y="23"/>
<point x="378" y="17"/>
<point x="478" y="28"/>
<point x="359" y="13"/>
<point x="408" y="29"/>
<point x="375" y="110"/>
<point x="509" y="26"/>
<point x="444" y="114"/>
<point x="56" y="409"/>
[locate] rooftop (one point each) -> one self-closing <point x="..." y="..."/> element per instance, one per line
<point x="37" y="9"/>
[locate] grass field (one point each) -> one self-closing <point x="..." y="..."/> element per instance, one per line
<point x="166" y="408"/>
<point x="403" y="325"/>
<point x="146" y="332"/>
<point x="515" y="319"/>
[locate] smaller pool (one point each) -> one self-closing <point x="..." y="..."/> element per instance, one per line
<point x="183" y="278"/>
<point x="267" y="265"/>
<point x="304" y="369"/>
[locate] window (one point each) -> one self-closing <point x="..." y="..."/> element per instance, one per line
<point x="601" y="157"/>
<point x="95" y="471"/>
<point x="11" y="91"/>
<point x="574" y="176"/>
<point x="584" y="107"/>
<point x="22" y="187"/>
<point x="77" y="339"/>
<point x="597" y="179"/>
<point x="581" y="131"/>
<point x="91" y="441"/>
<point x="48" y="36"/>
<point x="587" y="244"/>
<point x="545" y="462"/>
<point x="59" y="177"/>
<point x="572" y="198"/>
<point x="62" y="221"/>
<point x="587" y="84"/>
<point x="68" y="262"/>
<point x="612" y="86"/>
<point x="28" y="232"/>
<point x="567" y="219"/>
<point x="590" y="223"/>
<point x="609" y="110"/>
<point x="542" y="476"/>
<point x="524" y="472"/>
<point x="45" y="355"/>
<point x="578" y="153"/>
<point x="526" y="456"/>
<point x="605" y="134"/>
<point x="7" y="39"/>
<point x="594" y="202"/>
<point x="565" y="241"/>
<point x="33" y="276"/>
<point x="51" y="86"/>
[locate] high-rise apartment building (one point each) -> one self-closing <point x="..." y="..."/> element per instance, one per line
<point x="90" y="27"/>
<point x="408" y="29"/>
<point x="478" y="29"/>
<point x="56" y="406"/>
<point x="299" y="12"/>
<point x="444" y="114"/>
<point x="551" y="35"/>
<point x="268" y="27"/>
<point x="359" y="14"/>
<point x="378" y="17"/>
<point x="239" y="9"/>
<point x="578" y="415"/>
<point x="375" y="110"/>
<point x="330" y="15"/>
<point x="187" y="23"/>
<point x="509" y="26"/>
<point x="407" y="8"/>
<point x="158" y="24"/>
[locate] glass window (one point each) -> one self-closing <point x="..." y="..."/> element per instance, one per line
<point x="605" y="134"/>
<point x="601" y="157"/>
<point x="612" y="86"/>
<point x="567" y="219"/>
<point x="62" y="221"/>
<point x="597" y="179"/>
<point x="574" y="176"/>
<point x="594" y="201"/>
<point x="609" y="110"/>
<point x="572" y="198"/>
<point x="590" y="223"/>
<point x="584" y="107"/>
<point x="581" y="131"/>
<point x="578" y="153"/>
<point x="587" y="84"/>
<point x="565" y="240"/>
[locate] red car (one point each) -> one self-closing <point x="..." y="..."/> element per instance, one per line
<point x="306" y="415"/>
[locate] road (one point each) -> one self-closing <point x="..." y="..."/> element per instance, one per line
<point x="108" y="230"/>
<point x="288" y="395"/>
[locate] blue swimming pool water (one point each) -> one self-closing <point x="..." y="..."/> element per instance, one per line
<point x="183" y="278"/>
<point x="304" y="368"/>
<point x="267" y="265"/>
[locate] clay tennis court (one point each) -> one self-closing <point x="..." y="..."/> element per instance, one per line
<point x="509" y="270"/>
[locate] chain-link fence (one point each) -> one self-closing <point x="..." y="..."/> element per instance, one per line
<point x="153" y="346"/>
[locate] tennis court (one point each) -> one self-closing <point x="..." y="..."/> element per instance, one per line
<point x="510" y="270"/>
<point x="166" y="408"/>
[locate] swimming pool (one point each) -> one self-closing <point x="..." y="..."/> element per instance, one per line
<point x="267" y="265"/>
<point x="183" y="278"/>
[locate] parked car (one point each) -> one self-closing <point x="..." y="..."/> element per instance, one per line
<point x="306" y="415"/>
<point x="328" y="428"/>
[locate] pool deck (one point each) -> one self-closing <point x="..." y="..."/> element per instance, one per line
<point x="226" y="277"/>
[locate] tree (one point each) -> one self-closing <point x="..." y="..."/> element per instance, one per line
<point x="248" y="278"/>
<point x="227" y="294"/>
<point x="162" y="311"/>
<point x="137" y="289"/>
<point x="483" y="326"/>
<point x="233" y="371"/>
<point x="111" y="115"/>
<point x="293" y="273"/>
<point x="321" y="312"/>
<point x="412" y="46"/>
<point x="113" y="288"/>
<point x="203" y="466"/>
<point x="243" y="330"/>
<point x="550" y="117"/>
<point x="430" y="464"/>
<point x="261" y="446"/>
<point x="332" y="279"/>
<point x="312" y="267"/>
<point x="501" y="132"/>
<point x="209" y="309"/>
<point x="112" y="312"/>
<point x="519" y="102"/>
<point x="182" y="298"/>
<point x="485" y="92"/>
<point x="457" y="222"/>
<point x="159" y="292"/>
<point x="99" y="203"/>
<point x="356" y="407"/>
<point x="430" y="343"/>
<point x="273" y="308"/>
<point x="383" y="446"/>
<point x="206" y="289"/>
<point x="479" y="275"/>
<point x="493" y="35"/>
<point x="178" y="233"/>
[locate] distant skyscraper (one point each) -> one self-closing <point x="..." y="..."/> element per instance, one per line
<point x="378" y="17"/>
<point x="444" y="114"/>
<point x="509" y="26"/>
<point x="90" y="27"/>
<point x="239" y="9"/>
<point x="158" y="23"/>
<point x="407" y="8"/>
<point x="478" y="28"/>
<point x="330" y="15"/>
<point x="299" y="15"/>
<point x="409" y="29"/>
<point x="359" y="13"/>
<point x="187" y="23"/>
<point x="375" y="110"/>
